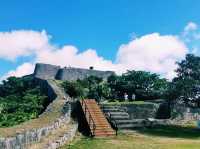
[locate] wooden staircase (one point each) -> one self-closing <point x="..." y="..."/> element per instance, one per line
<point x="99" y="126"/>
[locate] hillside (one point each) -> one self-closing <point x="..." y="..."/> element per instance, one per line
<point x="21" y="99"/>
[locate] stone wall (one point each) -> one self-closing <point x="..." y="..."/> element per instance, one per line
<point x="141" y="111"/>
<point x="138" y="111"/>
<point x="46" y="71"/>
<point x="151" y="109"/>
<point x="46" y="88"/>
<point x="182" y="112"/>
<point x="23" y="139"/>
<point x="79" y="73"/>
<point x="20" y="141"/>
<point x="68" y="136"/>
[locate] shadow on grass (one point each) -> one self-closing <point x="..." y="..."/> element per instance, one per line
<point x="172" y="132"/>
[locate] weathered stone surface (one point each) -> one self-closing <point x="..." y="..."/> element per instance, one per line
<point x="137" y="111"/>
<point x="182" y="112"/>
<point x="46" y="71"/>
<point x="78" y="73"/>
<point x="63" y="139"/>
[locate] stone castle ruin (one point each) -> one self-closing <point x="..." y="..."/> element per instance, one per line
<point x="57" y="118"/>
<point x="47" y="71"/>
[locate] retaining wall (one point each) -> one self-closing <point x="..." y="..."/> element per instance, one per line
<point x="141" y="111"/>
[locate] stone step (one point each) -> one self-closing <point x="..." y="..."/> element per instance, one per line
<point x="120" y="117"/>
<point x="129" y="121"/>
<point x="119" y="113"/>
<point x="113" y="110"/>
<point x="111" y="106"/>
<point x="129" y="126"/>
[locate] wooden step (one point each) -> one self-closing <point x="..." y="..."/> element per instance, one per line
<point x="102" y="127"/>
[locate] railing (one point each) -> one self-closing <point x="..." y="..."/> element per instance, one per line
<point x="89" y="118"/>
<point x="110" y="119"/>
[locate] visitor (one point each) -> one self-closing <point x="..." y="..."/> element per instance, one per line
<point x="126" y="97"/>
<point x="133" y="97"/>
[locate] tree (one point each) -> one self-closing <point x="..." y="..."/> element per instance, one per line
<point x="91" y="87"/>
<point x="186" y="85"/>
<point x="73" y="89"/>
<point x="144" y="84"/>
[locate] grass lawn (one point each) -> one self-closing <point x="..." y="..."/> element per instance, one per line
<point x="129" y="102"/>
<point x="172" y="137"/>
<point x="138" y="102"/>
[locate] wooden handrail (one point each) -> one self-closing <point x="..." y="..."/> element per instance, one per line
<point x="86" y="110"/>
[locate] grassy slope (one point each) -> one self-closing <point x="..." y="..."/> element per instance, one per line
<point x="173" y="137"/>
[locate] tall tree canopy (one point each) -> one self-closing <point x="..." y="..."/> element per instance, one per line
<point x="187" y="83"/>
<point x="144" y="84"/>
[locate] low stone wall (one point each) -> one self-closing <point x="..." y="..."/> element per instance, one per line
<point x="63" y="139"/>
<point x="182" y="112"/>
<point x="141" y="111"/>
<point x="21" y="140"/>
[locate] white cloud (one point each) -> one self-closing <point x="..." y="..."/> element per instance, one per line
<point x="191" y="32"/>
<point x="69" y="56"/>
<point x="152" y="52"/>
<point x="22" y="70"/>
<point x="191" y="26"/>
<point x="22" y="43"/>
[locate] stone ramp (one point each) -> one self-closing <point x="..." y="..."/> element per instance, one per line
<point x="56" y="138"/>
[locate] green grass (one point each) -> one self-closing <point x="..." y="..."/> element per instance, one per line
<point x="171" y="137"/>
<point x="182" y="132"/>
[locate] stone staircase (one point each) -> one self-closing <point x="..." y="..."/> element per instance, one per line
<point x="120" y="117"/>
<point x="99" y="126"/>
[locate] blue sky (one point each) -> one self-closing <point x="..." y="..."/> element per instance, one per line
<point x="103" y="25"/>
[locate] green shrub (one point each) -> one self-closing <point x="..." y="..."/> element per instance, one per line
<point x="20" y="100"/>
